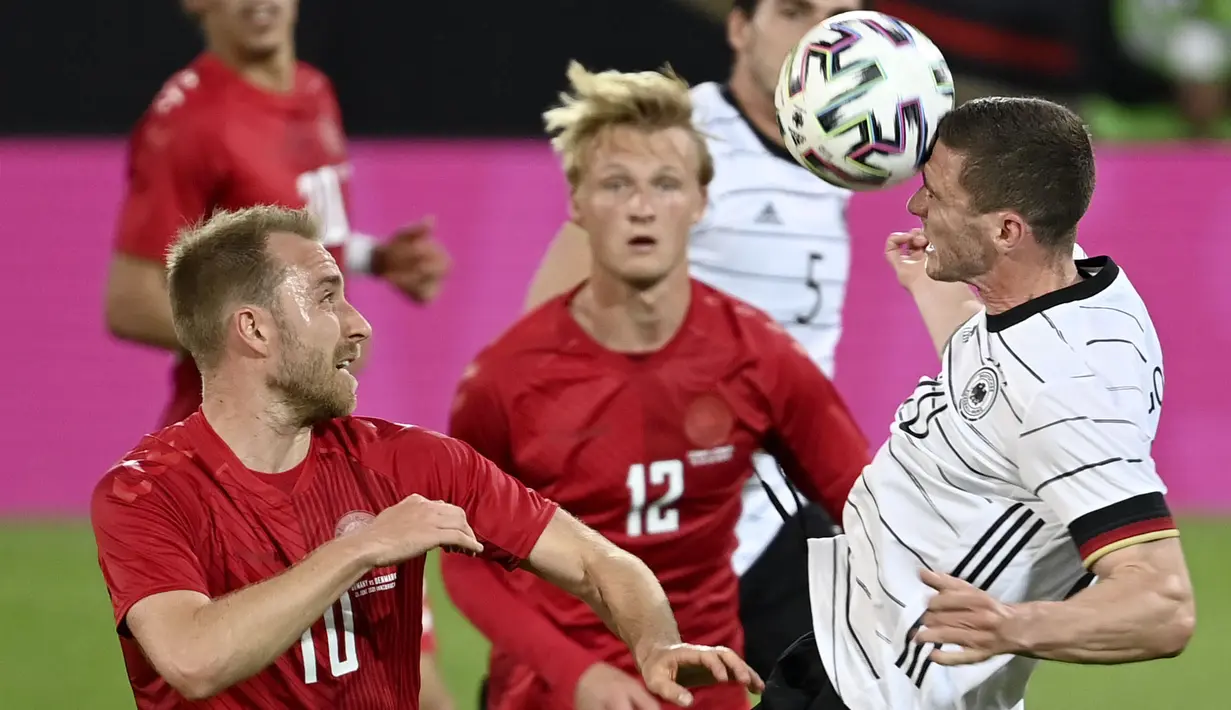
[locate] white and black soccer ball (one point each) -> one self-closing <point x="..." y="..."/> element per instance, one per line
<point x="859" y="99"/>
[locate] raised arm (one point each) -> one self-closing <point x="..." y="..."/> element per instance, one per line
<point x="943" y="306"/>
<point x="566" y="264"/>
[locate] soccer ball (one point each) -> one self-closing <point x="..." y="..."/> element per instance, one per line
<point x="859" y="99"/>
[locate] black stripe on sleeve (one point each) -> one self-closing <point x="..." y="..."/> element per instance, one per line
<point x="1083" y="468"/>
<point x="1119" y="340"/>
<point x="1140" y="515"/>
<point x="1075" y="419"/>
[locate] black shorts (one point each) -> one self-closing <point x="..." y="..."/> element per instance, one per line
<point x="773" y="593"/>
<point x="799" y="681"/>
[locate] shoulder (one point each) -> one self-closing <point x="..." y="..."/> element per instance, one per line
<point x="720" y="122"/>
<point x="188" y="96"/>
<point x="368" y="437"/>
<point x="742" y="323"/>
<point x="708" y="105"/>
<point x="526" y="342"/>
<point x="313" y="82"/>
<point x="182" y="113"/>
<point x="158" y="472"/>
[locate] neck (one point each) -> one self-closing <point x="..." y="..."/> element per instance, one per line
<point x="257" y="430"/>
<point x="273" y="72"/>
<point x="1013" y="283"/>
<point x="755" y="104"/>
<point x="625" y="319"/>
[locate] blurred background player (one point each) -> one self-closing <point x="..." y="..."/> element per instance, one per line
<point x="637" y="401"/>
<point x="774" y="236"/>
<point x="246" y="123"/>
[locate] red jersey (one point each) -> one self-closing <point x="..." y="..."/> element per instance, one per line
<point x="652" y="451"/>
<point x="212" y="140"/>
<point x="181" y="512"/>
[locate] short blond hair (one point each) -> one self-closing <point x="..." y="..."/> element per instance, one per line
<point x="224" y="261"/>
<point x="649" y="100"/>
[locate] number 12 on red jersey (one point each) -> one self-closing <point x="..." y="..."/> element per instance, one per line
<point x="659" y="516"/>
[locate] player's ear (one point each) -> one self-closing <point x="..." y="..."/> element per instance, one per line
<point x="737" y="29"/>
<point x="1010" y="230"/>
<point x="255" y="328"/>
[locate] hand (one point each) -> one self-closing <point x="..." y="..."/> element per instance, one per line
<point x="413" y="261"/>
<point x="668" y="670"/>
<point x="415" y="525"/>
<point x="604" y="687"/>
<point x="963" y="615"/>
<point x="906" y="253"/>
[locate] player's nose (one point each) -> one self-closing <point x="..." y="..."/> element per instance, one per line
<point x="917" y="205"/>
<point x="355" y="327"/>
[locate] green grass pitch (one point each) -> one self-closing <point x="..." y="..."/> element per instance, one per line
<point x="58" y="651"/>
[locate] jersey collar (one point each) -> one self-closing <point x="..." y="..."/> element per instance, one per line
<point x="1097" y="273"/>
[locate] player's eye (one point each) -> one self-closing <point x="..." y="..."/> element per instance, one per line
<point x="330" y="297"/>
<point x="614" y="184"/>
<point x="668" y="184"/>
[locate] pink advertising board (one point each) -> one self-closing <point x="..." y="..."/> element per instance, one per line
<point x="74" y="400"/>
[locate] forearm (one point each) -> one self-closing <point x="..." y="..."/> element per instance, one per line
<point x="625" y="594"/>
<point x="1115" y="621"/>
<point x="483" y="594"/>
<point x="145" y="321"/>
<point x="137" y="305"/>
<point x="944" y="308"/>
<point x="238" y="635"/>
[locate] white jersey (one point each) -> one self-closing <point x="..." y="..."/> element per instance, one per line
<point x="774" y="235"/>
<point x="1027" y="456"/>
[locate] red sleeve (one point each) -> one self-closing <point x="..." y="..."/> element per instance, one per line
<point x="505" y="516"/>
<point x="145" y="546"/>
<point x="814" y="437"/>
<point x="480" y="590"/>
<point x="171" y="183"/>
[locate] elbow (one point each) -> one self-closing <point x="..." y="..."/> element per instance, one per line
<point x="196" y="680"/>
<point x="1180" y="617"/>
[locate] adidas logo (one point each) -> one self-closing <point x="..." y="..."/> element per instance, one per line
<point x="768" y="215"/>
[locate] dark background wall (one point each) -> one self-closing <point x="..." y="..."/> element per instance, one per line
<point x="401" y="67"/>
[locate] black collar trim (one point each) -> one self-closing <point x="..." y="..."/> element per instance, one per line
<point x="1097" y="274"/>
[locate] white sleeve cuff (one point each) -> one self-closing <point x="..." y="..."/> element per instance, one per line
<point x="357" y="253"/>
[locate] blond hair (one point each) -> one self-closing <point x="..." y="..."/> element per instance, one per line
<point x="224" y="261"/>
<point x="649" y="101"/>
